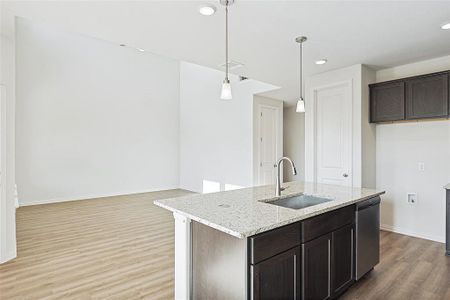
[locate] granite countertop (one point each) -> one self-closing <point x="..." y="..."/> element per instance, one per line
<point x="447" y="187"/>
<point x="243" y="213"/>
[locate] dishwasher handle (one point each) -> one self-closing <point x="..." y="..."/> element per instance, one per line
<point x="368" y="203"/>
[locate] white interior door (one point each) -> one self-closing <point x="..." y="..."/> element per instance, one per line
<point x="333" y="159"/>
<point x="268" y="131"/>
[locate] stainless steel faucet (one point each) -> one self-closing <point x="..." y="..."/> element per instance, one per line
<point x="278" y="187"/>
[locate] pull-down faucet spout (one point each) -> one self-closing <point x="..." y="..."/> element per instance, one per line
<point x="278" y="187"/>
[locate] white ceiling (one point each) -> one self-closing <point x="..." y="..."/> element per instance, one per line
<point x="377" y="33"/>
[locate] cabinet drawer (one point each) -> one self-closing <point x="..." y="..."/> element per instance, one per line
<point x="325" y="223"/>
<point x="270" y="243"/>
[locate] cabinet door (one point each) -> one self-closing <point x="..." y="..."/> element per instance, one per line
<point x="427" y="97"/>
<point x="316" y="268"/>
<point x="342" y="258"/>
<point x="277" y="277"/>
<point x="387" y="102"/>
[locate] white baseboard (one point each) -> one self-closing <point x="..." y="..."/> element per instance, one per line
<point x="411" y="233"/>
<point x="88" y="197"/>
<point x="7" y="257"/>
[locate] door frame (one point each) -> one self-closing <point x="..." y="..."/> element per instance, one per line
<point x="258" y="103"/>
<point x="312" y="112"/>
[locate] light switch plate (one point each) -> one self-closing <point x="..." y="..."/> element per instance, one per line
<point x="412" y="198"/>
<point x="421" y="166"/>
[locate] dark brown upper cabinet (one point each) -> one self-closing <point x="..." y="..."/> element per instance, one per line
<point x="387" y="102"/>
<point x="427" y="97"/>
<point x="419" y="97"/>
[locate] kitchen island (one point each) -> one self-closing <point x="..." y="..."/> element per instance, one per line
<point x="238" y="245"/>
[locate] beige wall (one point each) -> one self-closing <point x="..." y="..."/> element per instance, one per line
<point x="294" y="142"/>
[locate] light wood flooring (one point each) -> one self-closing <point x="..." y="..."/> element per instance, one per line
<point x="122" y="248"/>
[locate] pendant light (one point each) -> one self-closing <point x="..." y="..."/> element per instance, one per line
<point x="301" y="101"/>
<point x="226" y="86"/>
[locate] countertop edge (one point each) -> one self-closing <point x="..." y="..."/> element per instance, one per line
<point x="199" y="220"/>
<point x="268" y="228"/>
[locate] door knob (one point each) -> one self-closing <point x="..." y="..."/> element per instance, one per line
<point x="345" y="175"/>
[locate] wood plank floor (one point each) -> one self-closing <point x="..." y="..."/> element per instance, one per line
<point x="107" y="248"/>
<point x="122" y="248"/>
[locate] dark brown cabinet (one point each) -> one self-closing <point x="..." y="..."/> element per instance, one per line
<point x="342" y="257"/>
<point x="277" y="277"/>
<point x="316" y="272"/>
<point x="387" y="102"/>
<point x="328" y="264"/>
<point x="427" y="97"/>
<point x="419" y="97"/>
<point x="310" y="259"/>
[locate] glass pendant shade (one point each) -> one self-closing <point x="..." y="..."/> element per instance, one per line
<point x="226" y="90"/>
<point x="300" y="106"/>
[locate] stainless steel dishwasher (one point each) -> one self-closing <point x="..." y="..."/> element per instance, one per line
<point x="367" y="236"/>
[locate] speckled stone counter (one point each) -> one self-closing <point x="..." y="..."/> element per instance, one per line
<point x="243" y="213"/>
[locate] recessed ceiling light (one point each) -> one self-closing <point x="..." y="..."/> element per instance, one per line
<point x="446" y="26"/>
<point x="140" y="49"/>
<point x="321" y="61"/>
<point x="207" y="10"/>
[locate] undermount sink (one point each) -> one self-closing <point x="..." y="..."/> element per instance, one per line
<point x="300" y="201"/>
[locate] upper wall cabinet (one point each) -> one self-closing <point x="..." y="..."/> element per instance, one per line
<point x="425" y="96"/>
<point x="387" y="102"/>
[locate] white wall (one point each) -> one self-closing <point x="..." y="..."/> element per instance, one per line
<point x="400" y="148"/>
<point x="294" y="142"/>
<point x="215" y="135"/>
<point x="7" y="144"/>
<point x="93" y="118"/>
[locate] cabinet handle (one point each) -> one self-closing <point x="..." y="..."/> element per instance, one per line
<point x="345" y="175"/>
<point x="329" y="267"/>
<point x="352" y="256"/>
<point x="295" y="277"/>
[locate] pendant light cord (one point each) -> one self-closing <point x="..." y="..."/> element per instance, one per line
<point x="301" y="70"/>
<point x="226" y="41"/>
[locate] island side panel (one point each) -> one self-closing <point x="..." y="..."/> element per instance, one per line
<point x="183" y="263"/>
<point x="219" y="264"/>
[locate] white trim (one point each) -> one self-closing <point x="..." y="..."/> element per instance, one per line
<point x="7" y="257"/>
<point x="411" y="233"/>
<point x="259" y="102"/>
<point x="183" y="257"/>
<point x="16" y="197"/>
<point x="8" y="249"/>
<point x="94" y="196"/>
<point x="313" y="113"/>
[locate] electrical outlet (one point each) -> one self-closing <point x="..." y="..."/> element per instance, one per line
<point x="412" y="198"/>
<point x="421" y="166"/>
